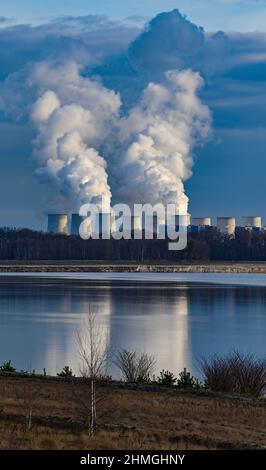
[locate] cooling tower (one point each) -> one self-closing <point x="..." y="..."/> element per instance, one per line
<point x="103" y="224"/>
<point x="201" y="221"/>
<point x="58" y="223"/>
<point x="226" y="225"/>
<point x="152" y="225"/>
<point x="131" y="223"/>
<point x="182" y="220"/>
<point x="76" y="221"/>
<point x="252" y="221"/>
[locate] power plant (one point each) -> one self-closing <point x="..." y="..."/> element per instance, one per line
<point x="103" y="223"/>
<point x="76" y="220"/>
<point x="130" y="223"/>
<point x="252" y="222"/>
<point x="152" y="224"/>
<point x="201" y="221"/>
<point x="226" y="225"/>
<point x="58" y="223"/>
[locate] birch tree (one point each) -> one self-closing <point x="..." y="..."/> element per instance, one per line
<point x="93" y="352"/>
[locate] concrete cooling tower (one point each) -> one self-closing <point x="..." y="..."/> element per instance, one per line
<point x="226" y="225"/>
<point x="96" y="225"/>
<point x="201" y="221"/>
<point x="76" y="221"/>
<point x="103" y="223"/>
<point x="180" y="220"/>
<point x="151" y="224"/>
<point x="131" y="223"/>
<point x="58" y="223"/>
<point x="252" y="221"/>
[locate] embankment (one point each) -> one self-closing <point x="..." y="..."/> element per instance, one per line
<point x="134" y="267"/>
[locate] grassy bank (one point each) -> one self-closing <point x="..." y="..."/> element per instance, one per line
<point x="161" y="267"/>
<point x="128" y="418"/>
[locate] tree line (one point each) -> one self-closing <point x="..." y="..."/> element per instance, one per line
<point x="208" y="245"/>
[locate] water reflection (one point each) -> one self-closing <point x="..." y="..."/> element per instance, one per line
<point x="176" y="322"/>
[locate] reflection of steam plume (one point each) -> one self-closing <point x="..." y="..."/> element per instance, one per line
<point x="70" y="318"/>
<point x="147" y="326"/>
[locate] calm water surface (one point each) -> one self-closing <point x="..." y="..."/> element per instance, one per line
<point x="177" y="320"/>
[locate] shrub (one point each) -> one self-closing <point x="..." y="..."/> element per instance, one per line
<point x="166" y="378"/>
<point x="104" y="378"/>
<point x="7" y="367"/>
<point x="235" y="373"/>
<point x="66" y="372"/>
<point x="135" y="367"/>
<point x="186" y="381"/>
<point x="217" y="374"/>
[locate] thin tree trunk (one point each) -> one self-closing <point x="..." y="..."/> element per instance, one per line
<point x="29" y="420"/>
<point x="93" y="408"/>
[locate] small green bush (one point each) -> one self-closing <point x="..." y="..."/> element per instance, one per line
<point x="166" y="378"/>
<point x="104" y="378"/>
<point x="66" y="372"/>
<point x="7" y="367"/>
<point x="186" y="381"/>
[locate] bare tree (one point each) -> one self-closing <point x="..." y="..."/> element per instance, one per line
<point x="93" y="352"/>
<point x="135" y="367"/>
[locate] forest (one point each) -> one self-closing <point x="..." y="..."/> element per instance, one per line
<point x="208" y="245"/>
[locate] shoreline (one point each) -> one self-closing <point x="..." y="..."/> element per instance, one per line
<point x="131" y="267"/>
<point x="151" y="279"/>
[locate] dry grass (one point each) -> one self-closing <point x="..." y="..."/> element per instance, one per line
<point x="128" y="419"/>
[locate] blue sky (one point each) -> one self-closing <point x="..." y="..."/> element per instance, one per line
<point x="240" y="15"/>
<point x="229" y="173"/>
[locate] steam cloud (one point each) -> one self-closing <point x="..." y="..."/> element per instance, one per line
<point x="127" y="57"/>
<point x="157" y="139"/>
<point x="74" y="116"/>
<point x="88" y="146"/>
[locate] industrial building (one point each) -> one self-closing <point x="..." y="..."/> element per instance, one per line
<point x="226" y="225"/>
<point x="201" y="221"/>
<point x="58" y="223"/>
<point x="76" y="221"/>
<point x="103" y="223"/>
<point x="252" y="222"/>
<point x="131" y="223"/>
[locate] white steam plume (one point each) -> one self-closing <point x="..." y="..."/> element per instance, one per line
<point x="157" y="140"/>
<point x="150" y="151"/>
<point x="74" y="115"/>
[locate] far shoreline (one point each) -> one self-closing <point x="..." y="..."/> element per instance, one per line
<point x="55" y="266"/>
<point x="148" y="275"/>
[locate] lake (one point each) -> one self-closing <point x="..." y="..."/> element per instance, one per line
<point x="176" y="317"/>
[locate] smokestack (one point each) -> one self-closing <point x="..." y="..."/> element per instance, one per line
<point x="226" y="225"/>
<point x="252" y="222"/>
<point x="201" y="221"/>
<point x="58" y="223"/>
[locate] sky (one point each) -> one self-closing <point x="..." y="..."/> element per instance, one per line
<point x="106" y="39"/>
<point x="240" y="15"/>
